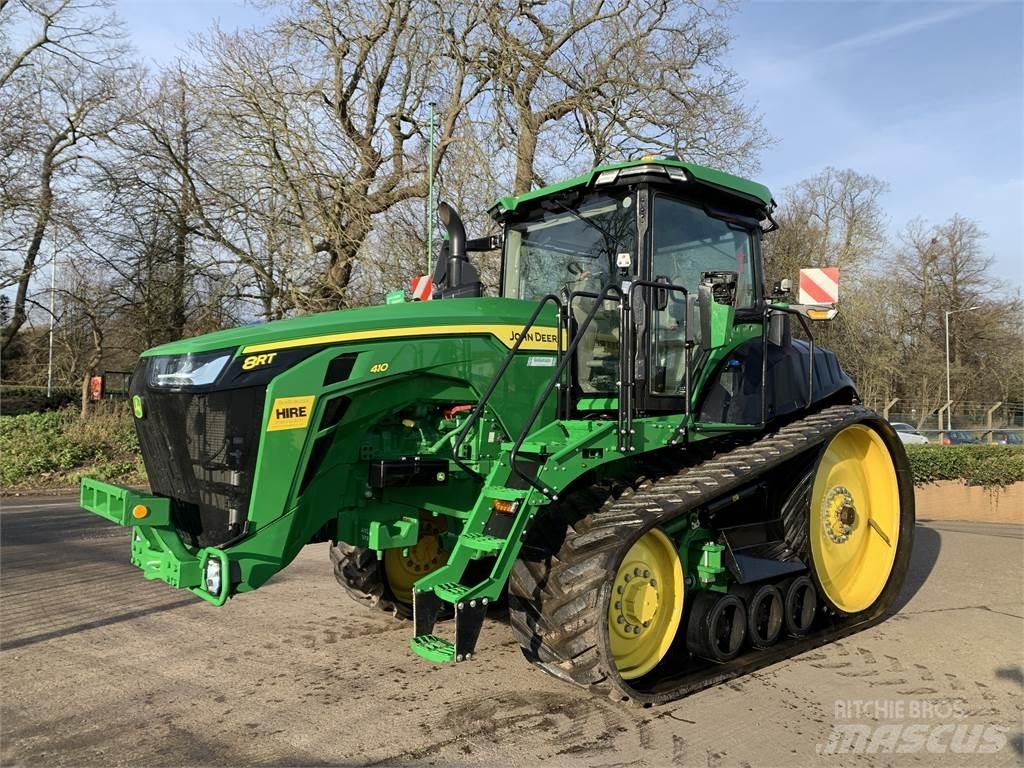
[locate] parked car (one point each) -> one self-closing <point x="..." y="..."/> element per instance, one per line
<point x="908" y="434"/>
<point x="1004" y="437"/>
<point x="957" y="437"/>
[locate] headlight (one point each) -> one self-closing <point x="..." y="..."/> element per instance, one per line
<point x="212" y="576"/>
<point x="188" y="370"/>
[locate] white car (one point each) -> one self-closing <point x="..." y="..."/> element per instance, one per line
<point x="908" y="434"/>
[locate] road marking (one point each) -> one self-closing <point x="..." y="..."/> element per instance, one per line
<point x="69" y="503"/>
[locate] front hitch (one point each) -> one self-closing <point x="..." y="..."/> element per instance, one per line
<point x="157" y="548"/>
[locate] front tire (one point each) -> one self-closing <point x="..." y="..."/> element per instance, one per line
<point x="361" y="575"/>
<point x="387" y="585"/>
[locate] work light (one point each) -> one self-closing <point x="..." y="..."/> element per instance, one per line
<point x="212" y="576"/>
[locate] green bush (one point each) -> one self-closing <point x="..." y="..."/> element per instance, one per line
<point x="55" y="449"/>
<point x="988" y="465"/>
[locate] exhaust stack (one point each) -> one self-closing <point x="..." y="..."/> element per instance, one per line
<point x="459" y="277"/>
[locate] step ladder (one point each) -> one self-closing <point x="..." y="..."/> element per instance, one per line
<point x="487" y="532"/>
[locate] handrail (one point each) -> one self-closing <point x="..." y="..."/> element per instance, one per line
<point x="630" y="357"/>
<point x="810" y="356"/>
<point x="555" y="377"/>
<point x="478" y="409"/>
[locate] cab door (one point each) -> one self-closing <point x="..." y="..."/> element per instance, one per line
<point x="683" y="242"/>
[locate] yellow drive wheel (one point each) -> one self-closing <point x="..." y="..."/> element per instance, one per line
<point x="404" y="567"/>
<point x="854" y="519"/>
<point x="646" y="604"/>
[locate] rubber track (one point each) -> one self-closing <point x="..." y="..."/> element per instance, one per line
<point x="556" y="598"/>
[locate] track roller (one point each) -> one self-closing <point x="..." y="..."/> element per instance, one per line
<point x="765" y="612"/>
<point x="717" y="626"/>
<point x="801" y="605"/>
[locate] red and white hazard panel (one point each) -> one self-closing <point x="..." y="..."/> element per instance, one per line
<point x="422" y="288"/>
<point x="819" y="286"/>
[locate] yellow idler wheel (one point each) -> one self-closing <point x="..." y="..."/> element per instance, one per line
<point x="404" y="567"/>
<point x="646" y="605"/>
<point x="855" y="519"/>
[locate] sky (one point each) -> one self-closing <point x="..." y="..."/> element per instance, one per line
<point x="927" y="96"/>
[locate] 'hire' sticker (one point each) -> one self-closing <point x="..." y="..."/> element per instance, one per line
<point x="290" y="413"/>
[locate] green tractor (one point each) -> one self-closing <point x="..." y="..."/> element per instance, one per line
<point x="628" y="443"/>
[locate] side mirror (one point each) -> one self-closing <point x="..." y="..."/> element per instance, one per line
<point x="810" y="311"/>
<point x="779" y="330"/>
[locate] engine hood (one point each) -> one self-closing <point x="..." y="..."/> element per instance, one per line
<point x="500" y="317"/>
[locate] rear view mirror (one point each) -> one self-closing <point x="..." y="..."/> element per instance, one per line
<point x="818" y="296"/>
<point x="810" y="311"/>
<point x="722" y="285"/>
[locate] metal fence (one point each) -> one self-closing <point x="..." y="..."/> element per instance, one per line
<point x="979" y="420"/>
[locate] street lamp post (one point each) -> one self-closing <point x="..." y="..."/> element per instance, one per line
<point x="53" y="292"/>
<point x="949" y="397"/>
<point x="430" y="194"/>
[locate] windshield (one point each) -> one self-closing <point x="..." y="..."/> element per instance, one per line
<point x="575" y="249"/>
<point x="687" y="242"/>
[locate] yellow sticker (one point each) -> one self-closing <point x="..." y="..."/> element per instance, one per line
<point x="255" y="361"/>
<point x="536" y="338"/>
<point x="290" y="413"/>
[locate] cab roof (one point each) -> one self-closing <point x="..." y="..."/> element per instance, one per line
<point x="667" y="166"/>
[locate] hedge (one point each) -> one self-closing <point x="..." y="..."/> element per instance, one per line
<point x="988" y="465"/>
<point x="21" y="398"/>
<point x="55" y="449"/>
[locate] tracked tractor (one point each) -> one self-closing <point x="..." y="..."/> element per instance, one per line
<point x="634" y="442"/>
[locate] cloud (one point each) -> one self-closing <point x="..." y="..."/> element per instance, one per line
<point x="874" y="37"/>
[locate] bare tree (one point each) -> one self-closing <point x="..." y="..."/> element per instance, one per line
<point x="324" y="113"/>
<point x="615" y="78"/>
<point x="943" y="269"/>
<point x="834" y="219"/>
<point x="64" y="77"/>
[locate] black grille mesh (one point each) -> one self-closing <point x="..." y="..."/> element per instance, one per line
<point x="200" y="450"/>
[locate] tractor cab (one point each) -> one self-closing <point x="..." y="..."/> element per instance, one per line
<point x="655" y="233"/>
<point x="653" y="270"/>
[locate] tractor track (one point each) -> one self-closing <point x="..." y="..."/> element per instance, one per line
<point x="558" y="599"/>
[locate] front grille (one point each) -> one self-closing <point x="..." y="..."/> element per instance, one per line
<point x="200" y="450"/>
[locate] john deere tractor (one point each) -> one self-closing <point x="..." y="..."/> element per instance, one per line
<point x="633" y="440"/>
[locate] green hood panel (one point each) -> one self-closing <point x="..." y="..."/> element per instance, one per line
<point x="419" y="318"/>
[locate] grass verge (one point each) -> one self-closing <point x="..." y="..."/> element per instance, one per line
<point x="42" y="451"/>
